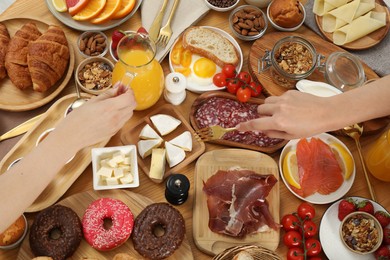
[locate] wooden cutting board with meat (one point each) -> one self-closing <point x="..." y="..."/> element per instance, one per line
<point x="207" y="165"/>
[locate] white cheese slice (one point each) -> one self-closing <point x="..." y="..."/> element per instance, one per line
<point x="148" y="133"/>
<point x="183" y="140"/>
<point x="157" y="165"/>
<point x="145" y="146"/>
<point x="175" y="154"/>
<point x="165" y="123"/>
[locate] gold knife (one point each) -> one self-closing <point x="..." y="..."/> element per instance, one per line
<point x="155" y="27"/>
<point x="21" y="129"/>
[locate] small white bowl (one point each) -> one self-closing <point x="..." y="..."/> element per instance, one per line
<point x="221" y="9"/>
<point x="106" y="153"/>
<point x="284" y="29"/>
<point x="81" y="66"/>
<point x="20" y="240"/>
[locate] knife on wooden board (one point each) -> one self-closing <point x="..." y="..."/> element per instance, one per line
<point x="21" y="129"/>
<point x="155" y="27"/>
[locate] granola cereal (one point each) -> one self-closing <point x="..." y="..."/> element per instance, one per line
<point x="294" y="58"/>
<point x="96" y="76"/>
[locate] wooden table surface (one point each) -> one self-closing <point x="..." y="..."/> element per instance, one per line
<point x="37" y="10"/>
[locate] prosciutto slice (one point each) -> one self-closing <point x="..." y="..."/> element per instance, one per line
<point x="236" y="200"/>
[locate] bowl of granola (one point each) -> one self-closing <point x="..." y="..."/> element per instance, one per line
<point x="361" y="233"/>
<point x="94" y="75"/>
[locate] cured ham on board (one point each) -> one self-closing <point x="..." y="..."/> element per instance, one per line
<point x="236" y="200"/>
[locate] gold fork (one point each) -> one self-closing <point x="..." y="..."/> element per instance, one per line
<point x="212" y="132"/>
<point x="166" y="31"/>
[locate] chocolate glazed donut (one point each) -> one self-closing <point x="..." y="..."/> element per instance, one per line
<point x="154" y="218"/>
<point x="56" y="232"/>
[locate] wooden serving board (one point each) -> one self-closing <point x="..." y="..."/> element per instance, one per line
<point x="79" y="203"/>
<point x="130" y="135"/>
<point x="199" y="100"/>
<point x="213" y="243"/>
<point x="14" y="99"/>
<point x="367" y="41"/>
<point x="69" y="173"/>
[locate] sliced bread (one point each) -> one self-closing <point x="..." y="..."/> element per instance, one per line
<point x="210" y="44"/>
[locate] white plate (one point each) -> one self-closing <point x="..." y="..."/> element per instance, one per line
<point x="329" y="234"/>
<point x="66" y="19"/>
<point x="319" y="198"/>
<point x="200" y="89"/>
<point x="317" y="88"/>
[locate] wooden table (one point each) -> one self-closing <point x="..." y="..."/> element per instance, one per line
<point x="37" y="10"/>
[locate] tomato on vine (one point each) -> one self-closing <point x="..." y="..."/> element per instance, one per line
<point x="255" y="89"/>
<point x="313" y="247"/>
<point x="292" y="238"/>
<point x="310" y="229"/>
<point x="306" y="211"/>
<point x="233" y="85"/>
<point x="229" y="71"/>
<point x="295" y="253"/>
<point x="243" y="94"/>
<point x="245" y="77"/>
<point x="290" y="222"/>
<point x="219" y="80"/>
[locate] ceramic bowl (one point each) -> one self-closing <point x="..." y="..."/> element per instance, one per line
<point x="94" y="85"/>
<point x="232" y="4"/>
<point x="19" y="240"/>
<point x="358" y="226"/>
<point x="110" y="158"/>
<point x="92" y="44"/>
<point x="285" y="29"/>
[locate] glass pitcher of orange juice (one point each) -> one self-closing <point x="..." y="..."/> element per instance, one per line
<point x="378" y="157"/>
<point x="138" y="69"/>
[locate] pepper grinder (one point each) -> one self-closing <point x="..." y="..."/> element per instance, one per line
<point x="175" y="88"/>
<point x="177" y="187"/>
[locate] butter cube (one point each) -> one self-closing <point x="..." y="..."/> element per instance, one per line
<point x="112" y="181"/>
<point x="105" y="171"/>
<point x="126" y="161"/>
<point x="118" y="173"/>
<point x="128" y="178"/>
<point x="104" y="162"/>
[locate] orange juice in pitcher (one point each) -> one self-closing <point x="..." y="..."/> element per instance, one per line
<point x="378" y="157"/>
<point x="138" y="69"/>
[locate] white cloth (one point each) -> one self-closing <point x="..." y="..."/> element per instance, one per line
<point x="4" y="4"/>
<point x="188" y="12"/>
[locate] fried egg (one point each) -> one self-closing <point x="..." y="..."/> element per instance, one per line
<point x="202" y="70"/>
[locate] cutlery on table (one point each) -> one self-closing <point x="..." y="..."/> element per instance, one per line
<point x="166" y="31"/>
<point x="355" y="132"/>
<point x="20" y="129"/>
<point x="155" y="27"/>
<point x="212" y="132"/>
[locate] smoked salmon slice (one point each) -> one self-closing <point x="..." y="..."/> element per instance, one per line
<point x="318" y="168"/>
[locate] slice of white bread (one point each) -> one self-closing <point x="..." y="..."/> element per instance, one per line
<point x="243" y="255"/>
<point x="210" y="44"/>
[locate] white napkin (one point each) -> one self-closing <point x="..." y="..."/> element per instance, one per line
<point x="188" y="12"/>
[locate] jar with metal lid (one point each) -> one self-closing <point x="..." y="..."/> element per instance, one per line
<point x="291" y="59"/>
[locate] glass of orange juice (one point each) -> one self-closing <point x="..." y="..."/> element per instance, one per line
<point x="378" y="157"/>
<point x="138" y="69"/>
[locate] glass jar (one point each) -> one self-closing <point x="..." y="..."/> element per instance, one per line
<point x="138" y="69"/>
<point x="378" y="157"/>
<point x="291" y="59"/>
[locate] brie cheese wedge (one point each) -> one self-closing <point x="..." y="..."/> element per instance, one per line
<point x="165" y="123"/>
<point x="148" y="133"/>
<point x="145" y="147"/>
<point x="174" y="155"/>
<point x="183" y="140"/>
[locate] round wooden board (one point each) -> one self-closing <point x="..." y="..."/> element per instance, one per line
<point x="79" y="202"/>
<point x="367" y="41"/>
<point x="14" y="99"/>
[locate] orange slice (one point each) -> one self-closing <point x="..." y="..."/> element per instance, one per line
<point x="112" y="6"/>
<point x="126" y="7"/>
<point x="75" y="6"/>
<point x="93" y="9"/>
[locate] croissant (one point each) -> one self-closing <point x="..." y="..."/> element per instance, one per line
<point x="4" y="41"/>
<point x="48" y="58"/>
<point x="16" y="57"/>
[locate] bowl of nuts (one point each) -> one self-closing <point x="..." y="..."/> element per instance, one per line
<point x="92" y="44"/>
<point x="248" y="22"/>
<point x="222" y="5"/>
<point x="94" y="75"/>
<point x="361" y="233"/>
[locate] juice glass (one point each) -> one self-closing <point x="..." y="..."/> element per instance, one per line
<point x="138" y="69"/>
<point x="378" y="157"/>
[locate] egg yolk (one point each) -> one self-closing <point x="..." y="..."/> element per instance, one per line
<point x="204" y="68"/>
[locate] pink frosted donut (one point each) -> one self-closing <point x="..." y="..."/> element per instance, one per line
<point x="107" y="223"/>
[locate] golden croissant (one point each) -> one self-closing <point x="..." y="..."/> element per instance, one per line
<point x="4" y="41"/>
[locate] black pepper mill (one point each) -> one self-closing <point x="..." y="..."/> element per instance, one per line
<point x="177" y="187"/>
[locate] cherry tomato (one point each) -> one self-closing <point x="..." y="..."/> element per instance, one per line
<point x="243" y="94"/>
<point x="233" y="85"/>
<point x="290" y="222"/>
<point x="310" y="229"/>
<point x="255" y="89"/>
<point x="292" y="238"/>
<point x="245" y="77"/>
<point x="306" y="211"/>
<point x="219" y="80"/>
<point x="295" y="253"/>
<point x="313" y="247"/>
<point x="229" y="70"/>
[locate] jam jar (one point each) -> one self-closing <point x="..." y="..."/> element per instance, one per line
<point x="291" y="59"/>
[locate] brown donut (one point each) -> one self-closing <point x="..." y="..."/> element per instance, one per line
<point x="153" y="217"/>
<point x="56" y="232"/>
